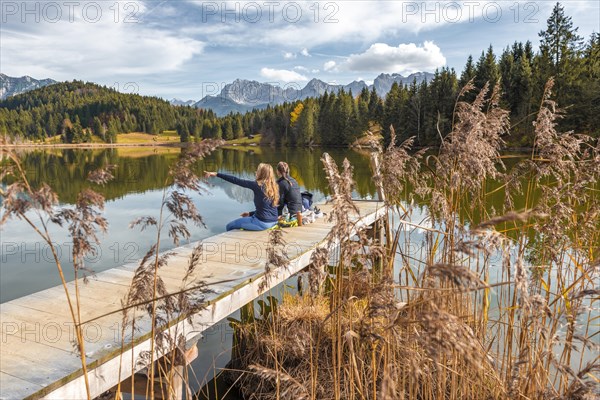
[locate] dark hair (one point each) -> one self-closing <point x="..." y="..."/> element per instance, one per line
<point x="284" y="169"/>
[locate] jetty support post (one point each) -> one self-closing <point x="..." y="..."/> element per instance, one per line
<point x="179" y="373"/>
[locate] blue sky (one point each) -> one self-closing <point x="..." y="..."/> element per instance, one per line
<point x="188" y="49"/>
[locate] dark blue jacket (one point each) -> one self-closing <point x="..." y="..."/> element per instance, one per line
<point x="289" y="195"/>
<point x="265" y="210"/>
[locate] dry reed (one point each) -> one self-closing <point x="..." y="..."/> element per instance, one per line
<point x="494" y="305"/>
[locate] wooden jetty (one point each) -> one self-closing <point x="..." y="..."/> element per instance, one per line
<point x="37" y="357"/>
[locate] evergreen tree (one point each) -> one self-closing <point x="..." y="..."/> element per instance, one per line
<point x="362" y="104"/>
<point x="227" y="129"/>
<point x="198" y="126"/>
<point x="487" y="69"/>
<point x="440" y="106"/>
<point x="415" y="110"/>
<point x="67" y="130"/>
<point x="217" y="131"/>
<point x="392" y="110"/>
<point x="51" y="126"/>
<point x="528" y="52"/>
<point x="468" y="72"/>
<point x="207" y="129"/>
<point x="586" y="110"/>
<point x="561" y="43"/>
<point x="521" y="90"/>
<point x="183" y="131"/>
<point x="306" y="123"/>
<point x="238" y="127"/>
<point x="506" y="67"/>
<point x="256" y="125"/>
<point x="77" y="129"/>
<point x="375" y="107"/>
<point x="112" y="131"/>
<point x="98" y="128"/>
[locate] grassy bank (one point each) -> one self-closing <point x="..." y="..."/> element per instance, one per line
<point x="167" y="138"/>
<point x="245" y="141"/>
<point x="146" y="138"/>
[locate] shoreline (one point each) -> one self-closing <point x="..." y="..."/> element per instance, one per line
<point x="226" y="145"/>
<point x="89" y="145"/>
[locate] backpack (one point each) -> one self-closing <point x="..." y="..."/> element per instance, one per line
<point x="307" y="200"/>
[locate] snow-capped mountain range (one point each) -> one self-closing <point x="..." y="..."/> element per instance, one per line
<point x="243" y="95"/>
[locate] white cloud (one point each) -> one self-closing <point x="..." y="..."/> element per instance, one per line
<point x="405" y="58"/>
<point x="330" y="66"/>
<point x="97" y="50"/>
<point x="362" y="21"/>
<point x="282" y="75"/>
<point x="357" y="22"/>
<point x="289" y="56"/>
<point x="301" y="68"/>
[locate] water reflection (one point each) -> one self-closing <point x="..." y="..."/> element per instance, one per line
<point x="65" y="170"/>
<point x="26" y="263"/>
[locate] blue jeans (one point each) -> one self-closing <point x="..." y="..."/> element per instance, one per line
<point x="249" y="224"/>
<point x="305" y="204"/>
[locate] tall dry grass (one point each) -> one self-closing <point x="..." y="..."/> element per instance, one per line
<point x="147" y="298"/>
<point x="38" y="207"/>
<point x="473" y="303"/>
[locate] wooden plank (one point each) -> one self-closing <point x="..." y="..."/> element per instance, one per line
<point x="94" y="292"/>
<point x="20" y="357"/>
<point x="13" y="387"/>
<point x="57" y="331"/>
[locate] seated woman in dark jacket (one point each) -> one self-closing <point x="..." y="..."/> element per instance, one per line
<point x="289" y="191"/>
<point x="266" y="198"/>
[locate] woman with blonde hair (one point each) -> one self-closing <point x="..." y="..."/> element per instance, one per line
<point x="266" y="199"/>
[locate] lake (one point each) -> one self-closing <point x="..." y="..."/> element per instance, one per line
<point x="26" y="263"/>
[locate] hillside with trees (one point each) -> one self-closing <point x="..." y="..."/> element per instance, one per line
<point x="77" y="110"/>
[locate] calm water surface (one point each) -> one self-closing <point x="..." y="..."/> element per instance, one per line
<point x="26" y="263"/>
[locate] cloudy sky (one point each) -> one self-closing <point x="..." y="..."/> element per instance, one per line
<point x="188" y="49"/>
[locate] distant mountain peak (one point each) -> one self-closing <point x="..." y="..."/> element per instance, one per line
<point x="11" y="86"/>
<point x="179" y="102"/>
<point x="243" y="95"/>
